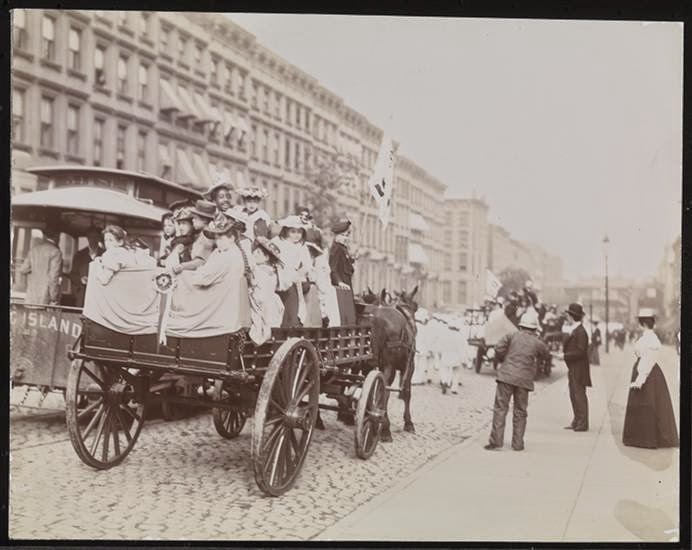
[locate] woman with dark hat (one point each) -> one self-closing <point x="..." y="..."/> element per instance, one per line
<point x="341" y="266"/>
<point x="202" y="213"/>
<point x="181" y="245"/>
<point x="649" y="417"/>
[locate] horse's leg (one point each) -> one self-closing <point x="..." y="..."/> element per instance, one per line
<point x="408" y="424"/>
<point x="318" y="423"/>
<point x="386" y="433"/>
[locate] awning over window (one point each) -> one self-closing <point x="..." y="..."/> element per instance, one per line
<point x="185" y="173"/>
<point x="208" y="113"/>
<point x="243" y="127"/>
<point x="416" y="254"/>
<point x="418" y="223"/>
<point x="190" y="107"/>
<point x="164" y="157"/>
<point x="202" y="169"/>
<point x="230" y="123"/>
<point x="169" y="99"/>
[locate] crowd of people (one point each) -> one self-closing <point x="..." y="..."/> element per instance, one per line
<point x="296" y="273"/>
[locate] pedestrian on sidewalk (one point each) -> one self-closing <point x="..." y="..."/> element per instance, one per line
<point x="519" y="352"/>
<point x="576" y="356"/>
<point x="649" y="417"/>
<point x="595" y="358"/>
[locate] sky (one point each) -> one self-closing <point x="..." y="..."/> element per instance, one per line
<point x="570" y="130"/>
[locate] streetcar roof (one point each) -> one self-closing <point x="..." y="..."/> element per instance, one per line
<point x="58" y="170"/>
<point x="87" y="199"/>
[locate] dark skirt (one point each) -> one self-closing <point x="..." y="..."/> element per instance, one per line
<point x="649" y="418"/>
<point x="595" y="358"/>
<point x="290" y="300"/>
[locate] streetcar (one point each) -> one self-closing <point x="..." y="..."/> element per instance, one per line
<point x="72" y="198"/>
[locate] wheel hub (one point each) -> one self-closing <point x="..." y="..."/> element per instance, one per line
<point x="298" y="417"/>
<point x="377" y="415"/>
<point x="115" y="395"/>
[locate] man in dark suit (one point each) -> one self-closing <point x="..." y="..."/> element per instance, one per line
<point x="80" y="264"/>
<point x="576" y="356"/>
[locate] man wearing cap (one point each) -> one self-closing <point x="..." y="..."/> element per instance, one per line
<point x="520" y="353"/>
<point x="312" y="233"/>
<point x="80" y="264"/>
<point x="576" y="356"/>
<point x="202" y="213"/>
<point x="340" y="260"/>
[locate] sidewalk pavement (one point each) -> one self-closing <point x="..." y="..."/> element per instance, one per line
<point x="565" y="486"/>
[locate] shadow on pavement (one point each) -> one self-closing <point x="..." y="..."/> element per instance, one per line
<point x="649" y="524"/>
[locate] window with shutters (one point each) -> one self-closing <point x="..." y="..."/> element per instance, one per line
<point x="18" y="115"/>
<point x="99" y="70"/>
<point x="47" y="122"/>
<point x="72" y="130"/>
<point x="74" y="43"/>
<point x="144" y="82"/>
<point x="120" y="147"/>
<point x="99" y="125"/>
<point x="20" y="36"/>
<point x="122" y="75"/>
<point x="48" y="38"/>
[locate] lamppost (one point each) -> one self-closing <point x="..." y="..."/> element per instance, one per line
<point x="606" y="243"/>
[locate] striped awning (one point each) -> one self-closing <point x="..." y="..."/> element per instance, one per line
<point x="208" y="113"/>
<point x="416" y="254"/>
<point x="185" y="173"/>
<point x="169" y="99"/>
<point x="190" y="107"/>
<point x="202" y="169"/>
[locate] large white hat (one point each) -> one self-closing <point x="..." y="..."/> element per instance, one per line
<point x="292" y="222"/>
<point x="646" y="312"/>
<point x="529" y="320"/>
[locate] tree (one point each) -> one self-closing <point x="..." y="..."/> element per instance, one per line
<point x="329" y="173"/>
<point x="513" y="278"/>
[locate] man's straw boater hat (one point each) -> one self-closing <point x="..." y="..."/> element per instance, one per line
<point x="220" y="181"/>
<point x="253" y="192"/>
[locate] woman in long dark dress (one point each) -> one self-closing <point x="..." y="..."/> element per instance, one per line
<point x="649" y="418"/>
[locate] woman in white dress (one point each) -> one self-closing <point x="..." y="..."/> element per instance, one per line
<point x="270" y="310"/>
<point x="297" y="265"/>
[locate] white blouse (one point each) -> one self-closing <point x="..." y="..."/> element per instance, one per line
<point x="647" y="350"/>
<point x="297" y="262"/>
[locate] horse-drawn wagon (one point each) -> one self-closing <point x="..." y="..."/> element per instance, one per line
<point x="278" y="383"/>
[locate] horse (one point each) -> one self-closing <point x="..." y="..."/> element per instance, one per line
<point x="394" y="346"/>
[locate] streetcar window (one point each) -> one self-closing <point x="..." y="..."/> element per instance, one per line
<point x="152" y="192"/>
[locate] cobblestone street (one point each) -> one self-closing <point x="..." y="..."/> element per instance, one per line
<point x="183" y="481"/>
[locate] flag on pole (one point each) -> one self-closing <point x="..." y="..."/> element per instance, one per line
<point x="492" y="284"/>
<point x="382" y="180"/>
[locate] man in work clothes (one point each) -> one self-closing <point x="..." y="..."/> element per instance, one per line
<point x="576" y="356"/>
<point x="519" y="352"/>
<point x="43" y="268"/>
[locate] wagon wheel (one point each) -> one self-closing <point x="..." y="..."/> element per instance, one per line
<point x="370" y="414"/>
<point x="228" y="422"/>
<point x="285" y="414"/>
<point x="104" y="432"/>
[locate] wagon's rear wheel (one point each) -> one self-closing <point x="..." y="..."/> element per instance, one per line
<point x="228" y="422"/>
<point x="370" y="414"/>
<point x="104" y="432"/>
<point x="287" y="407"/>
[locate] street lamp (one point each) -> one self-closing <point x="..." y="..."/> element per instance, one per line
<point x="606" y="243"/>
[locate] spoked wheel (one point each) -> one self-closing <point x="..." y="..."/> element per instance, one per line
<point x="285" y="414"/>
<point x="370" y="414"/>
<point x="104" y="432"/>
<point x="228" y="422"/>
